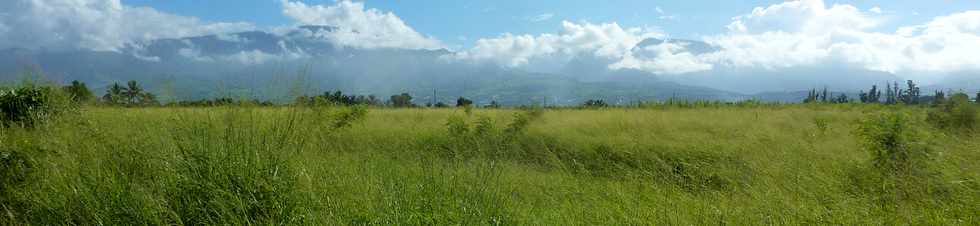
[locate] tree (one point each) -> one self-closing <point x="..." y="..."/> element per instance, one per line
<point x="872" y="96"/>
<point x="911" y="95"/>
<point x="402" y="100"/>
<point x="825" y="95"/>
<point x="462" y="102"/>
<point x="114" y="95"/>
<point x="148" y="99"/>
<point x="79" y="91"/>
<point x="812" y="96"/>
<point x="842" y="99"/>
<point x="595" y="104"/>
<point x="978" y="98"/>
<point x="939" y="98"/>
<point x="890" y="94"/>
<point x="133" y="92"/>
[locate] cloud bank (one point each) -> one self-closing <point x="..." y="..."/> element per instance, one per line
<point x="603" y="40"/>
<point x="803" y="33"/>
<point x="359" y="27"/>
<point x="784" y="35"/>
<point x="105" y="25"/>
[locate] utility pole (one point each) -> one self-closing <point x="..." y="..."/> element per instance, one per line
<point x="433" y="101"/>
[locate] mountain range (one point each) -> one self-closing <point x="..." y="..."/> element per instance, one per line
<point x="278" y="65"/>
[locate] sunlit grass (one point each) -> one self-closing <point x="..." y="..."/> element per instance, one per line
<point x="282" y="165"/>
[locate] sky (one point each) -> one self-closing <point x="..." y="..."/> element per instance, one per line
<point x="911" y="38"/>
<point x="459" y="23"/>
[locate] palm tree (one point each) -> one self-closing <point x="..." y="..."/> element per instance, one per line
<point x="113" y="94"/>
<point x="133" y="91"/>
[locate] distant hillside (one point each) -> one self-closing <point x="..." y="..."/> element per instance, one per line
<point x="275" y="66"/>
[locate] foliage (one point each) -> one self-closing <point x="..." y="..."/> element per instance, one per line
<point x="463" y="102"/>
<point x="956" y="113"/>
<point x="223" y="101"/>
<point x="724" y="163"/>
<point x="403" y="100"/>
<point x="132" y="95"/>
<point x="901" y="159"/>
<point x="595" y="104"/>
<point x="872" y="96"/>
<point x="815" y="96"/>
<point x="78" y="91"/>
<point x="29" y="105"/>
<point x="894" y="142"/>
<point x="339" y="98"/>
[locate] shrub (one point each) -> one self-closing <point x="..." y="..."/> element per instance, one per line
<point x="349" y="116"/>
<point x="236" y="172"/>
<point x="955" y="113"/>
<point x="27" y="105"/>
<point x="522" y="120"/>
<point x="595" y="104"/>
<point x="899" y="156"/>
<point x="78" y="91"/>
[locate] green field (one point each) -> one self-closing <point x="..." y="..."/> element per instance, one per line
<point x="785" y="164"/>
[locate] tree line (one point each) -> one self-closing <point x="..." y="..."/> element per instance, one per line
<point x="133" y="94"/>
<point x="893" y="93"/>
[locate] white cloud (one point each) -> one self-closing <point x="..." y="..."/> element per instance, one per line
<point x="664" y="58"/>
<point x="790" y="34"/>
<point x="359" y="27"/>
<point x="602" y="40"/>
<point x="808" y="33"/>
<point x="805" y="16"/>
<point x="94" y="24"/>
<point x="542" y="17"/>
<point x="876" y="10"/>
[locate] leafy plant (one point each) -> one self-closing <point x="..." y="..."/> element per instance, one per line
<point x="595" y="104"/>
<point x="900" y="157"/>
<point x="27" y="105"/>
<point x="956" y="113"/>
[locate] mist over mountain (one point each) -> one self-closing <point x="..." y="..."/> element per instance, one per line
<point x="279" y="65"/>
<point x="266" y="65"/>
<point x="771" y="52"/>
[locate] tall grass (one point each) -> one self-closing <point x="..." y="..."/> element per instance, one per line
<point x="356" y="166"/>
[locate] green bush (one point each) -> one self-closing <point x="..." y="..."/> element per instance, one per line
<point x="27" y="105"/>
<point x="900" y="157"/>
<point x="957" y="113"/>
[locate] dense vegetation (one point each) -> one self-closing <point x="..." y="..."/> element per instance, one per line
<point x="674" y="162"/>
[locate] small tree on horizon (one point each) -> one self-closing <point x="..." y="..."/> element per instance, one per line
<point x="402" y="100"/>
<point x="133" y="92"/>
<point x="462" y="102"/>
<point x="114" y="95"/>
<point x="79" y="91"/>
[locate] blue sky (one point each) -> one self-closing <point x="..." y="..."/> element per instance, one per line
<point x="911" y="38"/>
<point x="461" y="22"/>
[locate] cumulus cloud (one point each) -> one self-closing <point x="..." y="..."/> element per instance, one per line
<point x="359" y="27"/>
<point x="664" y="58"/>
<point x="876" y="10"/>
<point x="808" y="32"/>
<point x="105" y="25"/>
<point x="603" y="40"/>
<point x="790" y="34"/>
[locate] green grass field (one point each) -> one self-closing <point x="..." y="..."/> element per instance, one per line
<point x="791" y="164"/>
